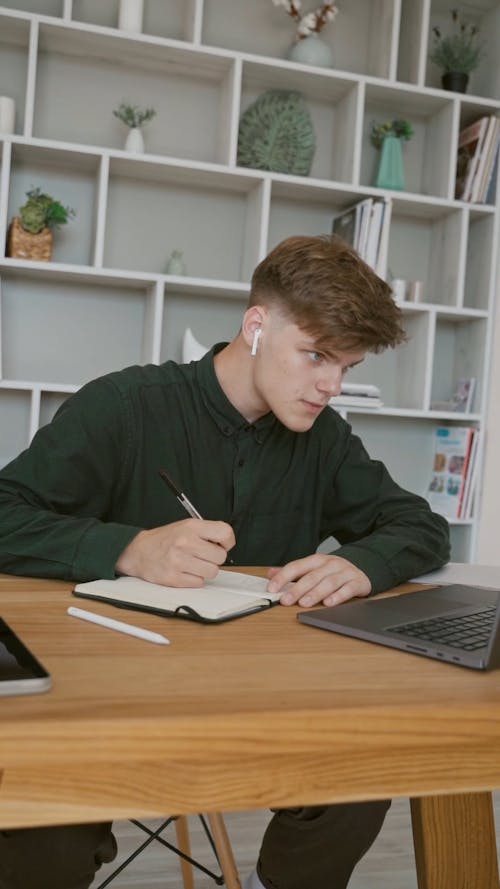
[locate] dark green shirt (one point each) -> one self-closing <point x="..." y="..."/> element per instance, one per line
<point x="89" y="482"/>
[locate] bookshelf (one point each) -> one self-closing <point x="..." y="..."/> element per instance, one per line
<point x="105" y="301"/>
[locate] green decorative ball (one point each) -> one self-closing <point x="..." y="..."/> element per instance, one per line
<point x="276" y="133"/>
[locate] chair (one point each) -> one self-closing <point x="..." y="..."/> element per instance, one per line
<point x="217" y="837"/>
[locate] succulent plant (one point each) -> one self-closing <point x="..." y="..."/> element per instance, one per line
<point x="41" y="210"/>
<point x="402" y="129"/>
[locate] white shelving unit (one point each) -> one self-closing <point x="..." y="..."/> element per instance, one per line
<point x="105" y="302"/>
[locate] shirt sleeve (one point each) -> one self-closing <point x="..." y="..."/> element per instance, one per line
<point x="386" y="531"/>
<point x="55" y="498"/>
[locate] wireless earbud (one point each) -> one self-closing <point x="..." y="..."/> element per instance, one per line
<point x="255" y="342"/>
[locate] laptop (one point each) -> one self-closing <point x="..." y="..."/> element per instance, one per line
<point x="453" y="623"/>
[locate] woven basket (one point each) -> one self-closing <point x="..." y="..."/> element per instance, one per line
<point x="26" y="245"/>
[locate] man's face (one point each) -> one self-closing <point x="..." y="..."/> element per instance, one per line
<point x="294" y="379"/>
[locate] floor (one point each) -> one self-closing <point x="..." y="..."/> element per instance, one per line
<point x="388" y="865"/>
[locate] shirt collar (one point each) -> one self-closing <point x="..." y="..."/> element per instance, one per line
<point x="226" y="416"/>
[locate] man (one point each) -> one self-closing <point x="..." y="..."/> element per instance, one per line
<point x="248" y="435"/>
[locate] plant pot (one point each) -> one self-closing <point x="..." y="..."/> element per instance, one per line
<point x="26" y="245"/>
<point x="390" y="169"/>
<point x="455" y="81"/>
<point x="311" y="50"/>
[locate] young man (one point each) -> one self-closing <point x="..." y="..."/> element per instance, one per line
<point x="248" y="435"/>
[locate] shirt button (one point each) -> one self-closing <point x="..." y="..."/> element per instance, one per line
<point x="241" y="463"/>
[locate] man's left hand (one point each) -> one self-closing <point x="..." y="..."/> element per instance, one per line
<point x="324" y="578"/>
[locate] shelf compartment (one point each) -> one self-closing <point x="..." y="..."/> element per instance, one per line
<point x="429" y="250"/>
<point x="298" y="209"/>
<point x="401" y="373"/>
<point x="71" y="177"/>
<point x="406" y="446"/>
<point x="479" y="268"/>
<point x="427" y="155"/>
<point x="190" y="90"/>
<point x="460" y="348"/>
<point x="332" y="103"/>
<point x="361" y="36"/>
<point x="178" y="207"/>
<point x="212" y="320"/>
<point x="15" y="409"/>
<point x="162" y="18"/>
<point x="73" y="333"/>
<point x="14" y="51"/>
<point x="485" y="14"/>
<point x="40" y="7"/>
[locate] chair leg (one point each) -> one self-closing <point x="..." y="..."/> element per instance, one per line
<point x="182" y="835"/>
<point x="224" y="850"/>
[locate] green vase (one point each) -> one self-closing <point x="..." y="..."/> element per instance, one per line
<point x="390" y="169"/>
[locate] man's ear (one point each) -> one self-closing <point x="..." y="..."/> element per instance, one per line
<point x="253" y="319"/>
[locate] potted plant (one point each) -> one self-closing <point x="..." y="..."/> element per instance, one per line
<point x="134" y="118"/>
<point x="30" y="232"/>
<point x="457" y="53"/>
<point x="388" y="137"/>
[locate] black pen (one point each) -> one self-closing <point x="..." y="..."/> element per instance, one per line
<point x="183" y="500"/>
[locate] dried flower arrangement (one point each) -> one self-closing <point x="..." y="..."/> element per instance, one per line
<point x="312" y="22"/>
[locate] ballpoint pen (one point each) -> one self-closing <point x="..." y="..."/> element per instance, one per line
<point x="183" y="500"/>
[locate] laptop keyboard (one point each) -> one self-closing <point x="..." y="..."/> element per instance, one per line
<point x="468" y="632"/>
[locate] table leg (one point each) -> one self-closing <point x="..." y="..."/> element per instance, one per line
<point x="454" y="840"/>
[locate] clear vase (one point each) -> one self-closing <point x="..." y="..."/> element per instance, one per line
<point x="135" y="141"/>
<point x="390" y="169"/>
<point x="311" y="50"/>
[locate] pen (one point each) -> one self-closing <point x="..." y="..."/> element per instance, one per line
<point x="183" y="500"/>
<point x="118" y="625"/>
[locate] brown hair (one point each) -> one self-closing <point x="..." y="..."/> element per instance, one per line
<point x="324" y="287"/>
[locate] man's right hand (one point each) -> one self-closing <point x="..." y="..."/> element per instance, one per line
<point x="180" y="554"/>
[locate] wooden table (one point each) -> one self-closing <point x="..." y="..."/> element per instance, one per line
<point x="257" y="712"/>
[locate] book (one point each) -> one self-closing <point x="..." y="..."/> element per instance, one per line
<point x="365" y="227"/>
<point x="485" y="155"/>
<point x="452" y="445"/>
<point x="467" y="502"/>
<point x="231" y="594"/>
<point x="489" y="164"/>
<point x="365" y="401"/>
<point x="470" y="142"/>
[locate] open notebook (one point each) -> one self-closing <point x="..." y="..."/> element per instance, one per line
<point x="230" y="595"/>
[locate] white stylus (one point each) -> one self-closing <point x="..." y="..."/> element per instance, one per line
<point x="118" y="625"/>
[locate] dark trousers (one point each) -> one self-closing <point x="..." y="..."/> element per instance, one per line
<point x="316" y="846"/>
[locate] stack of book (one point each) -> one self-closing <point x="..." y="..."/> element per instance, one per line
<point x="478" y="146"/>
<point x="363" y="395"/>
<point x="453" y="480"/>
<point x="365" y="226"/>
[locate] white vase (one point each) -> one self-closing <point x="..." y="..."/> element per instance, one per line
<point x="311" y="50"/>
<point x="7" y="115"/>
<point x="130" y="15"/>
<point x="135" y="141"/>
<point x="176" y="264"/>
